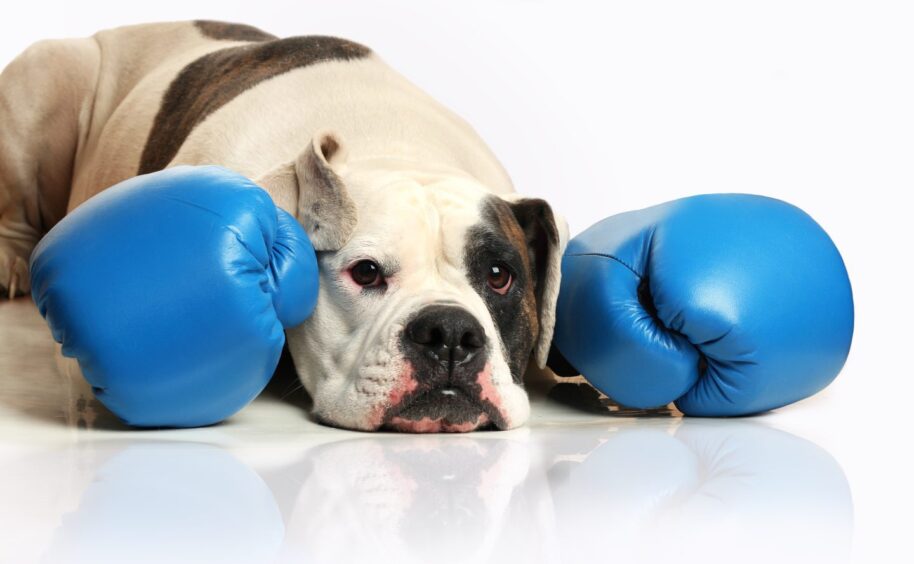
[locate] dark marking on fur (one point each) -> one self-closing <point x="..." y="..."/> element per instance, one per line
<point x="231" y="31"/>
<point x="213" y="80"/>
<point x="500" y="238"/>
<point x="508" y="224"/>
<point x="536" y="220"/>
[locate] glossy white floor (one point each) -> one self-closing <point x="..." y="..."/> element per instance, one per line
<point x="599" y="107"/>
<point x="580" y="481"/>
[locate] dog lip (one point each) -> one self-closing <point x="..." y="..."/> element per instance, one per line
<point x="450" y="392"/>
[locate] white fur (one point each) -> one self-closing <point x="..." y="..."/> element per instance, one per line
<point x="347" y="353"/>
<point x="415" y="174"/>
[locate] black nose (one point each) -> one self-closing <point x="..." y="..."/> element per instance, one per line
<point x="449" y="334"/>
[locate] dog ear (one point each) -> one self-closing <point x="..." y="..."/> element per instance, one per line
<point x="310" y="188"/>
<point x="546" y="234"/>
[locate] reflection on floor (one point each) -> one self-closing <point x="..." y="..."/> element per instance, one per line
<point x="583" y="480"/>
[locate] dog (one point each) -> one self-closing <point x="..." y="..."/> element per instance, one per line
<point x="438" y="283"/>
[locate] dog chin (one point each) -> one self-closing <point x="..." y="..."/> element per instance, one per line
<point x="446" y="408"/>
<point x="437" y="425"/>
<point x="440" y="410"/>
<point x="410" y="406"/>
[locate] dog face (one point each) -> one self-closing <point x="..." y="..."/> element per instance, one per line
<point x="430" y="310"/>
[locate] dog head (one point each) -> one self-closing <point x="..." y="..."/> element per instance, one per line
<point x="434" y="294"/>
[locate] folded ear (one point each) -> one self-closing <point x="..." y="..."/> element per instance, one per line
<point x="546" y="234"/>
<point x="311" y="189"/>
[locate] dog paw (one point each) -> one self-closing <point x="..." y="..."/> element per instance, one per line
<point x="14" y="271"/>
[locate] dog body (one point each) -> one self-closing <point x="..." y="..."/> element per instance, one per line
<point x="438" y="283"/>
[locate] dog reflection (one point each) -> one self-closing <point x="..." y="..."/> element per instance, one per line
<point x="422" y="499"/>
<point x="641" y="489"/>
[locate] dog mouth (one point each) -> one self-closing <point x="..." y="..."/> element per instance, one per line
<point x="444" y="409"/>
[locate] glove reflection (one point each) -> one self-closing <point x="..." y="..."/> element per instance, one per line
<point x="641" y="489"/>
<point x="715" y="491"/>
<point x="170" y="502"/>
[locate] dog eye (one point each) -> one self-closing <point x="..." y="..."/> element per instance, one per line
<point x="500" y="278"/>
<point x="366" y="273"/>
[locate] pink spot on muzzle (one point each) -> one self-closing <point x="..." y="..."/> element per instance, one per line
<point x="489" y="394"/>
<point x="404" y="386"/>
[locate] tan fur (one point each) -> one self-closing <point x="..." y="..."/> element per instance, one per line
<point x="366" y="161"/>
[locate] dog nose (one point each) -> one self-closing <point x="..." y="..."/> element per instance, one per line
<point x="450" y="334"/>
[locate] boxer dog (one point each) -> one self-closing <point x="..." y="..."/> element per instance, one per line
<point x="438" y="283"/>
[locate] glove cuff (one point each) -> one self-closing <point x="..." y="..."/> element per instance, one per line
<point x="293" y="272"/>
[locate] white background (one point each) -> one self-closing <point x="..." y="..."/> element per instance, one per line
<point x="607" y="106"/>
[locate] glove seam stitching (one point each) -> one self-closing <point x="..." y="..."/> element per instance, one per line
<point x="611" y="257"/>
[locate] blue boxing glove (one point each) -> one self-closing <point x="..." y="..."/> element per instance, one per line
<point x="725" y="304"/>
<point x="172" y="290"/>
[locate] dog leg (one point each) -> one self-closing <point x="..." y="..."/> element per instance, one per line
<point x="46" y="98"/>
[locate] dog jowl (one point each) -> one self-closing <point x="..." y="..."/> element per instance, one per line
<point x="435" y="332"/>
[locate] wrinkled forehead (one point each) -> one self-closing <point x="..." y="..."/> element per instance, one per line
<point x="421" y="222"/>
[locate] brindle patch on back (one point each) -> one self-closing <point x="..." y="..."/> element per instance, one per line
<point x="216" y="78"/>
<point x="499" y="238"/>
<point x="231" y="31"/>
